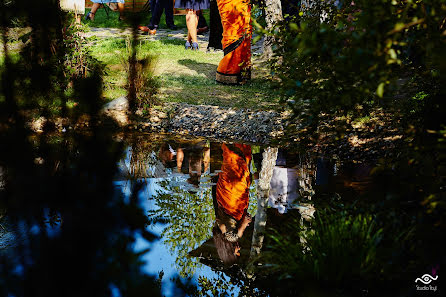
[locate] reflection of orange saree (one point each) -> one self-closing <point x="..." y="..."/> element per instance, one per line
<point x="235" y="67"/>
<point x="234" y="181"/>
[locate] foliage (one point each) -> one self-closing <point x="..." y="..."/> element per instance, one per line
<point x="219" y="286"/>
<point x="78" y="59"/>
<point x="145" y="83"/>
<point x="190" y="217"/>
<point x="64" y="61"/>
<point x="338" y="248"/>
<point x="346" y="58"/>
<point x="73" y="229"/>
<point x="342" y="57"/>
<point x="222" y="286"/>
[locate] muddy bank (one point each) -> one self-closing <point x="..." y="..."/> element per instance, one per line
<point x="359" y="141"/>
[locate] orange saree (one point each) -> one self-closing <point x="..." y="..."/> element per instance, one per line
<point x="235" y="67"/>
<point x="234" y="181"/>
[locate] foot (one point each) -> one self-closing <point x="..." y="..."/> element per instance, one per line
<point x="173" y="27"/>
<point x="187" y="45"/>
<point x="147" y="30"/>
<point x="194" y="46"/>
<point x="202" y="30"/>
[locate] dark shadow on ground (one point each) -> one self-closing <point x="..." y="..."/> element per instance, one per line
<point x="201" y="68"/>
<point x="172" y="41"/>
<point x="201" y="90"/>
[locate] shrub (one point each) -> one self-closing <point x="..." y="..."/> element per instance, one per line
<point x="338" y="248"/>
<point x="343" y="58"/>
<point x="145" y="83"/>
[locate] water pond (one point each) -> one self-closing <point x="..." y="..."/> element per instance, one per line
<point x="187" y="217"/>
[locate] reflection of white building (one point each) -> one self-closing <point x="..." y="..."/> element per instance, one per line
<point x="290" y="186"/>
<point x="76" y="6"/>
<point x="283" y="190"/>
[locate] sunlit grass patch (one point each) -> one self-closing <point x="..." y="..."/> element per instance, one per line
<point x="203" y="90"/>
<point x="185" y="76"/>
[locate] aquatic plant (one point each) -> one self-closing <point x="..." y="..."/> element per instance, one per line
<point x="337" y="248"/>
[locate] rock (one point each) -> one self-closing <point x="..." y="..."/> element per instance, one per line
<point x="37" y="125"/>
<point x="118" y="110"/>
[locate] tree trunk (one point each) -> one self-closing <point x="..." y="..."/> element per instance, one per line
<point x="273" y="14"/>
<point x="264" y="185"/>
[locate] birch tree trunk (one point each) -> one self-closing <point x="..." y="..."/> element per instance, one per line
<point x="273" y="14"/>
<point x="264" y="185"/>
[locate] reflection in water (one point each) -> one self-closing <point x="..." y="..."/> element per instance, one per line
<point x="204" y="196"/>
<point x="232" y="199"/>
<point x="67" y="230"/>
<point x="265" y="176"/>
<point x="199" y="196"/>
<point x="184" y="199"/>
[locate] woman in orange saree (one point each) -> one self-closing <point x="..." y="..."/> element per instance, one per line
<point x="231" y="201"/>
<point x="235" y="67"/>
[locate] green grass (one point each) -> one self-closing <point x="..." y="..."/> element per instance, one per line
<point x="102" y="21"/>
<point x="185" y="76"/>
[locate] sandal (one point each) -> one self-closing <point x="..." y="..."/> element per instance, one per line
<point x="187" y="45"/>
<point x="194" y="46"/>
<point x="88" y="16"/>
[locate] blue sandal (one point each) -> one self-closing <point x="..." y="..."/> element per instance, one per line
<point x="194" y="46"/>
<point x="187" y="45"/>
<point x="88" y="16"/>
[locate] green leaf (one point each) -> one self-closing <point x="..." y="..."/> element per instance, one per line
<point x="294" y="27"/>
<point x="380" y="90"/>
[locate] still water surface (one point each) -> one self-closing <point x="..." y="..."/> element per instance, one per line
<point x="179" y="177"/>
<point x="209" y="204"/>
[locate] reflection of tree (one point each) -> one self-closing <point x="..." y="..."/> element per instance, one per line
<point x="222" y="285"/>
<point x="65" y="181"/>
<point x="70" y="222"/>
<point x="307" y="172"/>
<point x="190" y="216"/>
<point x="142" y="160"/>
<point x="268" y="163"/>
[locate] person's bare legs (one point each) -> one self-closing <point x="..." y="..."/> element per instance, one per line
<point x="206" y="158"/>
<point x="93" y="10"/>
<point x="192" y="22"/>
<point x="180" y="158"/>
<point x="121" y="7"/>
<point x="189" y="38"/>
